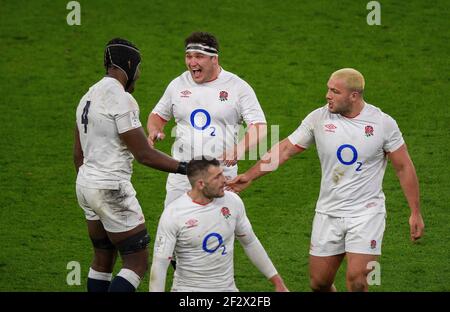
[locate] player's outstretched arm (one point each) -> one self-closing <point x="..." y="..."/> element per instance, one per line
<point x="158" y="274"/>
<point x="406" y="173"/>
<point x="259" y="257"/>
<point x="165" y="241"/>
<point x="77" y="150"/>
<point x="238" y="184"/>
<point x="137" y="143"/>
<point x="275" y="157"/>
<point x="278" y="283"/>
<point x="155" y="128"/>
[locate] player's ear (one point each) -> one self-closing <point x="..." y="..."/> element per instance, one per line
<point x="200" y="184"/>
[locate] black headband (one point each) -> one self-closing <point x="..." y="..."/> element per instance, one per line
<point x="201" y="48"/>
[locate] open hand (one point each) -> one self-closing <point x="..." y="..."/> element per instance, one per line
<point x="239" y="183"/>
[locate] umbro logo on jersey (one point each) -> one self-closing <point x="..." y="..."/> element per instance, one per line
<point x="185" y="93"/>
<point x="368" y="131"/>
<point x="191" y="223"/>
<point x="223" y="96"/>
<point x="330" y="128"/>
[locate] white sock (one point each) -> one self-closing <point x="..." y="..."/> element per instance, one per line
<point x="102" y="276"/>
<point x="130" y="276"/>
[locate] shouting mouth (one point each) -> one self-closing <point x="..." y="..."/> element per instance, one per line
<point x="196" y="73"/>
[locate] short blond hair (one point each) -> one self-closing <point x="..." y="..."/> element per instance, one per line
<point x="353" y="79"/>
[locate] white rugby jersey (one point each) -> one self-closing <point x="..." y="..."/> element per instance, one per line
<point x="203" y="239"/>
<point x="352" y="153"/>
<point x="208" y="115"/>
<point x="104" y="112"/>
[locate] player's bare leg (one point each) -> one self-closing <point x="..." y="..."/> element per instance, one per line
<point x="105" y="254"/>
<point x="104" y="259"/>
<point x="138" y="261"/>
<point x="132" y="246"/>
<point x="357" y="271"/>
<point x="322" y="271"/>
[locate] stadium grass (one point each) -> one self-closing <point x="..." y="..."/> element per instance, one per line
<point x="286" y="51"/>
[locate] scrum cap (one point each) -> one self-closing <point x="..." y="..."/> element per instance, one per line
<point x="124" y="55"/>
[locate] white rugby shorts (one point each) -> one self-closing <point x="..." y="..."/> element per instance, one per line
<point x="117" y="209"/>
<point x="336" y="235"/>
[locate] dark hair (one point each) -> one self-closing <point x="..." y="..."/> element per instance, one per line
<point x="198" y="166"/>
<point x="204" y="38"/>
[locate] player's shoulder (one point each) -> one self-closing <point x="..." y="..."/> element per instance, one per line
<point x="107" y="90"/>
<point x="105" y="87"/>
<point x="322" y="110"/>
<point x="129" y="98"/>
<point x="237" y="79"/>
<point x="225" y="74"/>
<point x="123" y="102"/>
<point x="177" y="205"/>
<point x="376" y="112"/>
<point x="233" y="198"/>
<point x="234" y="80"/>
<point x="232" y="195"/>
<point x="111" y="85"/>
<point x="372" y="109"/>
<point x="179" y="82"/>
<point x="318" y="114"/>
<point x="183" y="80"/>
<point x="112" y="90"/>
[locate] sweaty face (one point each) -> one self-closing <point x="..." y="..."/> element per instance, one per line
<point x="338" y="97"/>
<point x="201" y="66"/>
<point x="214" y="183"/>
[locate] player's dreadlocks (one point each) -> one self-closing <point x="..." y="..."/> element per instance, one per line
<point x="124" y="55"/>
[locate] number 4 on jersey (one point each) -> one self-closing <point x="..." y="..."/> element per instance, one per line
<point x="84" y="116"/>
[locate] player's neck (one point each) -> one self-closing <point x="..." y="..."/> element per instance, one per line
<point x="216" y="74"/>
<point x="118" y="75"/>
<point x="356" y="110"/>
<point x="198" y="197"/>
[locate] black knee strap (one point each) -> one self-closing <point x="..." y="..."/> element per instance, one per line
<point x="103" y="243"/>
<point x="134" y="243"/>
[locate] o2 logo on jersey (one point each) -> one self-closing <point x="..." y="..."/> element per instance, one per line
<point x="201" y="119"/>
<point x="214" y="236"/>
<point x="347" y="161"/>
